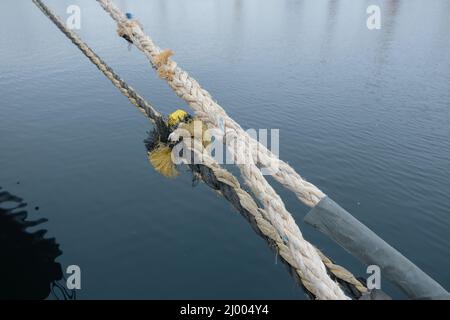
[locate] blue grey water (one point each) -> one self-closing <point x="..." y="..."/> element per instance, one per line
<point x="364" y="115"/>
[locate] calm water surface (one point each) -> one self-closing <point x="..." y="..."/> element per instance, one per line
<point x="363" y="114"/>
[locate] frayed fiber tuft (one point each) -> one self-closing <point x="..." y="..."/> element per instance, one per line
<point x="161" y="160"/>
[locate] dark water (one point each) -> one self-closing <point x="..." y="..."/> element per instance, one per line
<point x="363" y="114"/>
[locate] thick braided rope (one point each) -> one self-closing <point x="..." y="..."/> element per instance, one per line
<point x="307" y="259"/>
<point x="220" y="179"/>
<point x="342" y="273"/>
<point x="147" y="109"/>
<point x="209" y="111"/>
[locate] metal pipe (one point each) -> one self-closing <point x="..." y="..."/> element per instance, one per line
<point x="331" y="219"/>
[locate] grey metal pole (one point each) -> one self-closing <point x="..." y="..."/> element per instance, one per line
<point x="364" y="244"/>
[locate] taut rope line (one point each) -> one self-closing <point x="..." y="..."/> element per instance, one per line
<point x="305" y="255"/>
<point x="126" y="90"/>
<point x="206" y="108"/>
<point x="327" y="216"/>
<point x="211" y="172"/>
<point x="220" y="179"/>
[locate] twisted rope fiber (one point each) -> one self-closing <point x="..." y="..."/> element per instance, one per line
<point x="123" y="87"/>
<point x="207" y="109"/>
<point x="223" y="181"/>
<point x="305" y="256"/>
<point x="213" y="175"/>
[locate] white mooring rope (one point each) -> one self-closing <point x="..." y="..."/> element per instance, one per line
<point x="306" y="257"/>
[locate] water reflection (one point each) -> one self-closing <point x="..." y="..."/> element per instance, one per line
<point x="389" y="18"/>
<point x="332" y="10"/>
<point x="28" y="269"/>
<point x="330" y="26"/>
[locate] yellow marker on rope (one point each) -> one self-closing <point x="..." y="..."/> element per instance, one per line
<point x="176" y="117"/>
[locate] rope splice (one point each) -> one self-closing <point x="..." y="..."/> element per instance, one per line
<point x="160" y="152"/>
